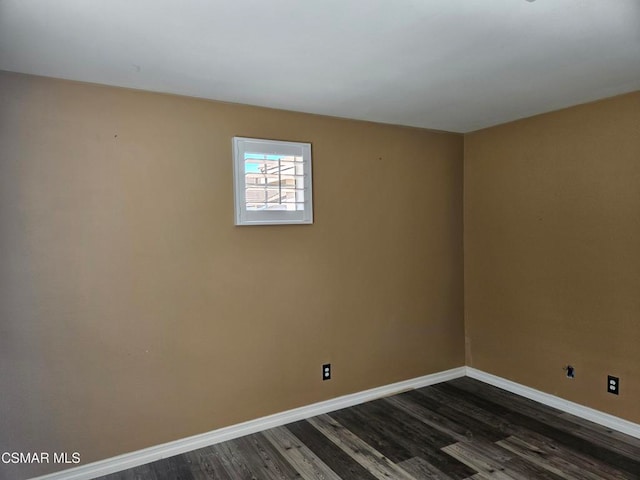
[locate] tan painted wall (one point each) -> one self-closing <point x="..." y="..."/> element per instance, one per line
<point x="133" y="312"/>
<point x="552" y="252"/>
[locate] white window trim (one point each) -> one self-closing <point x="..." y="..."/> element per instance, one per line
<point x="242" y="145"/>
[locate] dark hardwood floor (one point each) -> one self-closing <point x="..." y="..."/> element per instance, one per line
<point x="461" y="429"/>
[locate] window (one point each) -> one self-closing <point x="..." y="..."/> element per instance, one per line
<point x="272" y="182"/>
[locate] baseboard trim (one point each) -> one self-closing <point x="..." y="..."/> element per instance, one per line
<point x="158" y="452"/>
<point x="596" y="416"/>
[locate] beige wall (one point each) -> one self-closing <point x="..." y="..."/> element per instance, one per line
<point x="133" y="312"/>
<point x="552" y="252"/>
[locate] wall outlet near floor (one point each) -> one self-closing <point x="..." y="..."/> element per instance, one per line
<point x="613" y="385"/>
<point x="571" y="371"/>
<point x="326" y="371"/>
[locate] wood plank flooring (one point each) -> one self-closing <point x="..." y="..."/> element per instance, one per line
<point x="458" y="430"/>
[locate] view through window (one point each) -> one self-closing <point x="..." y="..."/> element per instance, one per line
<point x="272" y="182"/>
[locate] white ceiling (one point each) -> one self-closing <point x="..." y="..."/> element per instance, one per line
<point x="456" y="65"/>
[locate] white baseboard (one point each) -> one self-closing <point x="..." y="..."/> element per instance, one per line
<point x="576" y="409"/>
<point x="158" y="452"/>
<point x="151" y="454"/>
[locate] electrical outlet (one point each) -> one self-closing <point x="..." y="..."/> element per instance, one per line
<point x="571" y="371"/>
<point x="613" y="385"/>
<point x="326" y="371"/>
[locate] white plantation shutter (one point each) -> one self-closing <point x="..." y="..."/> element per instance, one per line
<point x="272" y="182"/>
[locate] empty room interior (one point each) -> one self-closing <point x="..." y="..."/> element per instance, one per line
<point x="458" y="298"/>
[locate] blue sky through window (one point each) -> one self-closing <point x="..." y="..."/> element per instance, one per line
<point x="254" y="167"/>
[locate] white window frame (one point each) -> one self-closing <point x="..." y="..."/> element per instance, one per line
<point x="243" y="216"/>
